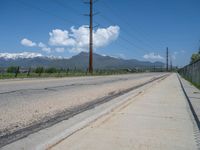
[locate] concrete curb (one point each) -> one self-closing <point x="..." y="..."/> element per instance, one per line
<point x="66" y="133"/>
<point x="190" y="104"/>
<point x="192" y="112"/>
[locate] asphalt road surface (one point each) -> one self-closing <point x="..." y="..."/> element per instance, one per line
<point x="27" y="102"/>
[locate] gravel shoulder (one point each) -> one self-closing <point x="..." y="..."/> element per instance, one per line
<point x="24" y="102"/>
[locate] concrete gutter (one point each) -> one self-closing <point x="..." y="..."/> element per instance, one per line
<point x="116" y="103"/>
<point x="159" y="118"/>
<point x="48" y="137"/>
<point x="193" y="97"/>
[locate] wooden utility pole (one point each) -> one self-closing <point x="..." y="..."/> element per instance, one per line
<point x="91" y="38"/>
<point x="199" y="48"/>
<point x="171" y="64"/>
<point x="167" y="56"/>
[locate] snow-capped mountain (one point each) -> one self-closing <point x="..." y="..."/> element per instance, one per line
<point x="80" y="61"/>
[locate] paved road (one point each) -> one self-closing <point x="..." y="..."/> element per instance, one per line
<point x="158" y="119"/>
<point x="26" y="102"/>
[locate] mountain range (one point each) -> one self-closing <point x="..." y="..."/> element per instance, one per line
<point x="79" y="61"/>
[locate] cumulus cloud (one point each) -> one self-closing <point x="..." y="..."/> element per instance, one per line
<point x="104" y="36"/>
<point x="153" y="56"/>
<point x="44" y="47"/>
<point x="77" y="39"/>
<point x="41" y="44"/>
<point x="60" y="38"/>
<point x="20" y="55"/>
<point x="27" y="42"/>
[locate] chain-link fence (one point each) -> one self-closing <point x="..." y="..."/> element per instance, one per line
<point x="191" y="72"/>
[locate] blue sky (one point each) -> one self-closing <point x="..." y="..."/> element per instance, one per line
<point x="146" y="27"/>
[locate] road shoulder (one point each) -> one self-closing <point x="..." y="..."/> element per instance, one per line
<point x="53" y="134"/>
<point x="159" y="119"/>
<point x="193" y="96"/>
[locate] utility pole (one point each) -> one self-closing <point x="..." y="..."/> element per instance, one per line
<point x="91" y="27"/>
<point x="91" y="38"/>
<point x="171" y="63"/>
<point x="199" y="48"/>
<point x="167" y="56"/>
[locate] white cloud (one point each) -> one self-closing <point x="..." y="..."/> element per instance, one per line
<point x="41" y="44"/>
<point x="60" y="38"/>
<point x="78" y="39"/>
<point x="104" y="36"/>
<point x="60" y="49"/>
<point x="20" y="55"/>
<point x="153" y="56"/>
<point x="27" y="42"/>
<point x="44" y="47"/>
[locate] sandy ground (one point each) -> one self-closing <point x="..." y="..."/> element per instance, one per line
<point x="23" y="102"/>
<point x="158" y="119"/>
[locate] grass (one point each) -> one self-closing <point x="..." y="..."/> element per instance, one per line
<point x="193" y="83"/>
<point x="61" y="74"/>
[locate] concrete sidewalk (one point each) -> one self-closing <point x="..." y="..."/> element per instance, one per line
<point x="159" y="118"/>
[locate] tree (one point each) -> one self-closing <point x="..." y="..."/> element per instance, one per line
<point x="51" y="70"/>
<point x="29" y="71"/>
<point x="195" y="57"/>
<point x="16" y="72"/>
<point x="39" y="70"/>
<point x="12" y="69"/>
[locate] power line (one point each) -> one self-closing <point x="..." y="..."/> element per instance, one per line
<point x="124" y="21"/>
<point x="131" y="43"/>
<point x="64" y="19"/>
<point x="125" y="31"/>
<point x="44" y="11"/>
<point x="127" y="24"/>
<point x="58" y="2"/>
<point x="64" y="5"/>
<point x="117" y="43"/>
<point x="128" y="33"/>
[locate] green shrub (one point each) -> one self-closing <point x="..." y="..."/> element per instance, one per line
<point x="51" y="70"/>
<point x="12" y="69"/>
<point x="39" y="70"/>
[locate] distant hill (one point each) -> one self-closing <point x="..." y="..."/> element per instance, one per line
<point x="79" y="61"/>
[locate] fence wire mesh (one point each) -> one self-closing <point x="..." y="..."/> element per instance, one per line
<point x="191" y="72"/>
